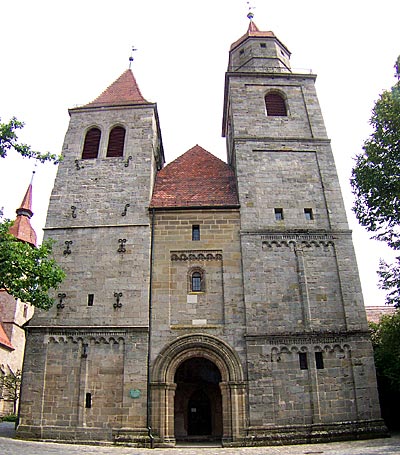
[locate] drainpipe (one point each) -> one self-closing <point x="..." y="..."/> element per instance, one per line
<point x="148" y="421"/>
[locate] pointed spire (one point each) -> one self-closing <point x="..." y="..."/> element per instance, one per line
<point x="252" y="27"/>
<point x="22" y="229"/>
<point x="124" y="91"/>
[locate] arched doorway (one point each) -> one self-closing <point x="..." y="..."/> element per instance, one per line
<point x="198" y="401"/>
<point x="214" y="356"/>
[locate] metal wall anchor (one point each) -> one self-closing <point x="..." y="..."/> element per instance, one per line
<point x="117" y="296"/>
<point x="67" y="250"/>
<point x="126" y="164"/>
<point x="125" y="209"/>
<point x="78" y="165"/>
<point x="121" y="248"/>
<point x="61" y="296"/>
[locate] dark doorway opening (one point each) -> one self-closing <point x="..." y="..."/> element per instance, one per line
<point x="198" y="401"/>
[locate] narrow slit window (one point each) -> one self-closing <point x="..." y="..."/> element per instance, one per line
<point x="303" y="361"/>
<point x="308" y="213"/>
<point x="196" y="232"/>
<point x="90" y="299"/>
<point x="319" y="361"/>
<point x="88" y="400"/>
<point x="278" y="214"/>
<point x="116" y="142"/>
<point x="91" y="144"/>
<point x="275" y="105"/>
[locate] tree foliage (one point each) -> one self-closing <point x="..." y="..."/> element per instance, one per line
<point x="376" y="185"/>
<point x="27" y="273"/>
<point x="11" y="385"/>
<point x="9" y="140"/>
<point x="385" y="341"/>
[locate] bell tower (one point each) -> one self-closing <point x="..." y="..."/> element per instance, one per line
<point x="94" y="340"/>
<point x="301" y="285"/>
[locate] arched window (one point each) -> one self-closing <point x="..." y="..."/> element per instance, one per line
<point x="196" y="280"/>
<point x="91" y="144"/>
<point x="116" y="142"/>
<point x="275" y="104"/>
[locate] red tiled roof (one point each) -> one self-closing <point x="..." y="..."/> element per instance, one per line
<point x="253" y="31"/>
<point x="22" y="229"/>
<point x="123" y="91"/>
<point x="4" y="340"/>
<point x="195" y="179"/>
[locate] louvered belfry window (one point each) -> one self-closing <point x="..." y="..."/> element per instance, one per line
<point x="275" y="105"/>
<point x="116" y="142"/>
<point x="91" y="144"/>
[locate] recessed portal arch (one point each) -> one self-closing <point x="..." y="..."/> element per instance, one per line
<point x="215" y="357"/>
<point x="198" y="400"/>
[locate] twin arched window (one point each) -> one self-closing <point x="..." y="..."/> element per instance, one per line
<point x="92" y="143"/>
<point x="275" y="104"/>
<point x="116" y="141"/>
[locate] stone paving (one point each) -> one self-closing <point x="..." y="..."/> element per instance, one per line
<point x="10" y="446"/>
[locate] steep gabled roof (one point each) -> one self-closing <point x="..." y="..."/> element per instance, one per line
<point x="195" y="179"/>
<point x="22" y="229"/>
<point x="124" y="91"/>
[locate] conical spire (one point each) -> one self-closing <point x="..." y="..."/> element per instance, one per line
<point x="124" y="91"/>
<point x="22" y="229"/>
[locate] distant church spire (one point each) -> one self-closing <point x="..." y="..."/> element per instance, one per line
<point x="22" y="229"/>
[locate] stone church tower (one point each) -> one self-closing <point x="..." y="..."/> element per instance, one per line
<point x="203" y="300"/>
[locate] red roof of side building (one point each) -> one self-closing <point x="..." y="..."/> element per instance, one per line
<point x="195" y="179"/>
<point x="4" y="340"/>
<point x="123" y="91"/>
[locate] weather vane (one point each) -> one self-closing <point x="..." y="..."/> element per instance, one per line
<point x="131" y="57"/>
<point x="250" y="14"/>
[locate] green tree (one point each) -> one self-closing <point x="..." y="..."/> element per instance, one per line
<point x="376" y="184"/>
<point x="27" y="273"/>
<point x="11" y="384"/>
<point x="385" y="340"/>
<point x="9" y="140"/>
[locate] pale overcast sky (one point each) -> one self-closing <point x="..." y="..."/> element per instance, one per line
<point x="59" y="54"/>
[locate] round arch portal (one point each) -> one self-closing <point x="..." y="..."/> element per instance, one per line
<point x="163" y="385"/>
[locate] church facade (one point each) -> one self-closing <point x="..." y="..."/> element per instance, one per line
<point x="203" y="300"/>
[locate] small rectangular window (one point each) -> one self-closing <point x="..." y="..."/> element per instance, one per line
<point x="196" y="232"/>
<point x="303" y="361"/>
<point x="278" y="214"/>
<point x="308" y="213"/>
<point x="88" y="400"/>
<point x="319" y="361"/>
<point x="90" y="299"/>
<point x="263" y="45"/>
